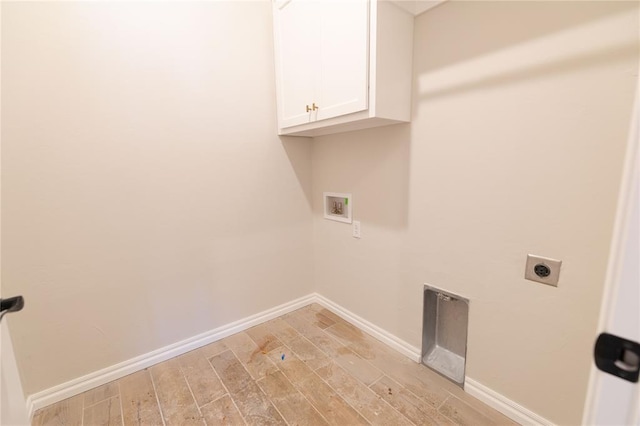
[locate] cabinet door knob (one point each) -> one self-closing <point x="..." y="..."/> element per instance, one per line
<point x="315" y="107"/>
<point x="308" y="109"/>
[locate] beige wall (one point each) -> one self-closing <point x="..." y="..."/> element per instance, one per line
<point x="146" y="196"/>
<point x="147" y="199"/>
<point x="520" y="117"/>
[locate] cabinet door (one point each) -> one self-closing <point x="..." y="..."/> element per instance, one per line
<point x="344" y="62"/>
<point x="297" y="36"/>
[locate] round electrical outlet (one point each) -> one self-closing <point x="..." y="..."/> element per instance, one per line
<point x="542" y="270"/>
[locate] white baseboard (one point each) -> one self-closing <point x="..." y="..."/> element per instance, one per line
<point x="395" y="342"/>
<point x="81" y="384"/>
<point x="513" y="410"/>
<point x="493" y="399"/>
<point x="76" y="386"/>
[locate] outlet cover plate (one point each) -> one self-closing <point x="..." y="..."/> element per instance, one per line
<point x="553" y="266"/>
<point x="356" y="229"/>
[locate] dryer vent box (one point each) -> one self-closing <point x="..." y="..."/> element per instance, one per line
<point x="444" y="333"/>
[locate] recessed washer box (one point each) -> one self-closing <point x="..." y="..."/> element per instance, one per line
<point x="337" y="206"/>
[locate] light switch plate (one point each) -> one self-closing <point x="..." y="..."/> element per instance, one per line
<point x="542" y="270"/>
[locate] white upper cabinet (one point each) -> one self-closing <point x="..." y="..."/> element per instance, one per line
<point x="343" y="57"/>
<point x="341" y="65"/>
<point x="298" y="59"/>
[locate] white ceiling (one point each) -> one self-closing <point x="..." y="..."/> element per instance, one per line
<point x="416" y="7"/>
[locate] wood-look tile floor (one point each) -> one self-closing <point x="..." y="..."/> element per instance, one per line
<point x="306" y="367"/>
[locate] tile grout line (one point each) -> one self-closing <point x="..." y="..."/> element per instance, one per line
<point x="443" y="401"/>
<point x="374" y="394"/>
<point x="101" y="401"/>
<point x="155" y="391"/>
<point x="258" y="344"/>
<point x="109" y="399"/>
<point x="318" y="348"/>
<point x="328" y="335"/>
<point x="441" y="405"/>
<point x="346" y="402"/>
<point x="387" y="402"/>
<point x="221" y="382"/>
<point x="84" y="394"/>
<point x="394" y="408"/>
<point x="216" y="353"/>
<point x="304" y="361"/>
<point x="376" y="381"/>
<point x="338" y="393"/>
<point x="382" y="373"/>
<point x="82" y="415"/>
<point x="256" y="381"/>
<point x="121" y="407"/>
<point x="343" y="344"/>
<point x="270" y="401"/>
<point x="343" y="339"/>
<point x="217" y="399"/>
<point x="468" y="405"/>
<point x="321" y="379"/>
<point x="324" y="381"/>
<point x="303" y="395"/>
<point x="295" y="387"/>
<point x="184" y="377"/>
<point x="233" y="401"/>
<point x="437" y="408"/>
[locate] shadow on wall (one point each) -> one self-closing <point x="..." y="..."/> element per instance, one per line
<point x="479" y="56"/>
<point x="565" y="65"/>
<point x="474" y="38"/>
<point x="299" y="152"/>
<point x="373" y="165"/>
